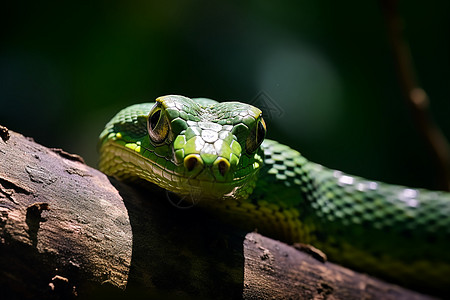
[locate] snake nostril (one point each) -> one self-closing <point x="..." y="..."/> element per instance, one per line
<point x="190" y="163"/>
<point x="223" y="167"/>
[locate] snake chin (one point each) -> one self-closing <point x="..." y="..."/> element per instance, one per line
<point x="207" y="191"/>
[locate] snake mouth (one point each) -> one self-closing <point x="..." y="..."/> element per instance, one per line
<point x="207" y="189"/>
<point x="203" y="185"/>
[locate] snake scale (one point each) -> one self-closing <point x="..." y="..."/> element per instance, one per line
<point x="216" y="154"/>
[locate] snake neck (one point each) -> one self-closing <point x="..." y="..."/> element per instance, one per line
<point x="278" y="205"/>
<point x="288" y="171"/>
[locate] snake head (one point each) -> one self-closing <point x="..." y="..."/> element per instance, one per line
<point x="207" y="146"/>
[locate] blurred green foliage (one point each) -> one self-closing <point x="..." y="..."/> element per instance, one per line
<point x="67" y="67"/>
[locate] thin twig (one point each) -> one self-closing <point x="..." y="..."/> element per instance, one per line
<point x="415" y="96"/>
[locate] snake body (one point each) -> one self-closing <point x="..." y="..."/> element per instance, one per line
<point x="217" y="154"/>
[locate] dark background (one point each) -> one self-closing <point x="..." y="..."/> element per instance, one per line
<point x="66" y="68"/>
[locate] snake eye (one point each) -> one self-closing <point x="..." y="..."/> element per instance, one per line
<point x="157" y="125"/>
<point x="256" y="137"/>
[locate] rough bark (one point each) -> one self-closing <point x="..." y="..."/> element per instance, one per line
<point x="68" y="231"/>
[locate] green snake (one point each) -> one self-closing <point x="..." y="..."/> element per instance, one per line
<point x="217" y="154"/>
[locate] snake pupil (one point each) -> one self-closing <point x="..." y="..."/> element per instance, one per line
<point x="256" y="136"/>
<point x="158" y="125"/>
<point x="261" y="132"/>
<point x="154" y="119"/>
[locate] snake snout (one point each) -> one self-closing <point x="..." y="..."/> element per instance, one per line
<point x="218" y="169"/>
